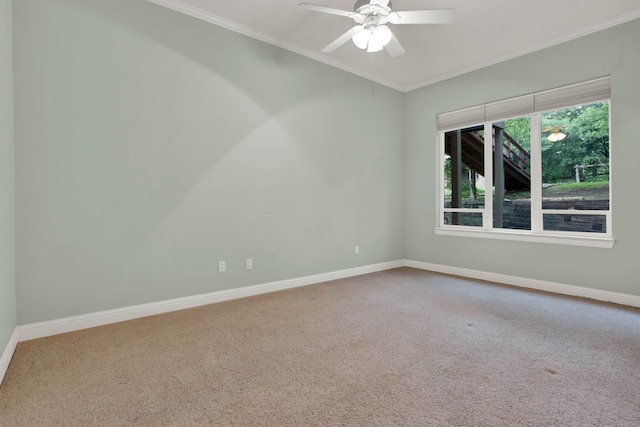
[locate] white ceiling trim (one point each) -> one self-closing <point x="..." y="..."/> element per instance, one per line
<point x="185" y="8"/>
<point x="520" y="52"/>
<point x="194" y="12"/>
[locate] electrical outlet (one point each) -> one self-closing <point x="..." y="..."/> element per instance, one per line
<point x="249" y="264"/>
<point x="222" y="266"/>
<point x="357" y="250"/>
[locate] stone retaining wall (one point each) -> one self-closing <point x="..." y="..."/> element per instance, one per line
<point x="517" y="215"/>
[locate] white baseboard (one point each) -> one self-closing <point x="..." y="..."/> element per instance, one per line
<point x="76" y="323"/>
<point x="541" y="285"/>
<point x="7" y="354"/>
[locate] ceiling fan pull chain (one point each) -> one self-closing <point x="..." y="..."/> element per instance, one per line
<point x="372" y="74"/>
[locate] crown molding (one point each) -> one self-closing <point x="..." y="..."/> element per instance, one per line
<point x="621" y="19"/>
<point x="180" y="6"/>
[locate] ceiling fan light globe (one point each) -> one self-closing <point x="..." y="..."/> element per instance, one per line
<point x="381" y="36"/>
<point x="361" y="39"/>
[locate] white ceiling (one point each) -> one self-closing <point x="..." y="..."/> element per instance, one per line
<point x="484" y="32"/>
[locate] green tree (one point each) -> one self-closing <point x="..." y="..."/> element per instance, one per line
<point x="520" y="130"/>
<point x="586" y="143"/>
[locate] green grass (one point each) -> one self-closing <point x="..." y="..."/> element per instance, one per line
<point x="581" y="185"/>
<point x="587" y="190"/>
<point x="465" y="193"/>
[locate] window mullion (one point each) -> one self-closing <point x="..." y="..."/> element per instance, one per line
<point x="440" y="178"/>
<point x="536" y="173"/>
<point x="609" y="217"/>
<point x="487" y="216"/>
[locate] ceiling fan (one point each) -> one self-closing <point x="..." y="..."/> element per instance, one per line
<point x="372" y="16"/>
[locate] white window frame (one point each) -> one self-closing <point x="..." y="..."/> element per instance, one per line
<point x="566" y="97"/>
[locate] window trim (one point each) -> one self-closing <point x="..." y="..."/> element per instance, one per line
<point x="527" y="236"/>
<point x="537" y="232"/>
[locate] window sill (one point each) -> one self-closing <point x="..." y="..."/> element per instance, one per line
<point x="525" y="236"/>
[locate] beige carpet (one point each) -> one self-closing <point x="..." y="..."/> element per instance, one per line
<point x="402" y="347"/>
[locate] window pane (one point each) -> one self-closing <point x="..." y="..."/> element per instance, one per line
<point x="464" y="168"/>
<point x="512" y="174"/>
<point x="575" y="158"/>
<point x="460" y="218"/>
<point x="581" y="223"/>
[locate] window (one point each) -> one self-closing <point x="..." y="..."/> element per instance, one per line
<point x="534" y="168"/>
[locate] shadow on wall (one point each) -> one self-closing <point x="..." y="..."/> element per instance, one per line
<point x="154" y="141"/>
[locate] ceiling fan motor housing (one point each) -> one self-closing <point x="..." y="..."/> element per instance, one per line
<point x="365" y="8"/>
<point x="371" y="22"/>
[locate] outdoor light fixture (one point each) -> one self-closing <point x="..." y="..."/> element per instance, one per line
<point x="556" y="136"/>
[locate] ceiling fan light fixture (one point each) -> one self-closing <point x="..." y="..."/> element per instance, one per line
<point x="361" y="38"/>
<point x="373" y="40"/>
<point x="374" y="47"/>
<point x="381" y="37"/>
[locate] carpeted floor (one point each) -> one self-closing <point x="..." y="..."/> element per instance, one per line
<point x="398" y="348"/>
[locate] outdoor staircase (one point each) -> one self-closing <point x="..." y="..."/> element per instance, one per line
<point x="517" y="162"/>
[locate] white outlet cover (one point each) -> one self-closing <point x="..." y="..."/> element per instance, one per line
<point x="222" y="266"/>
<point x="249" y="263"/>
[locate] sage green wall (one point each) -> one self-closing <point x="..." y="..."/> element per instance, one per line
<point x="150" y="145"/>
<point x="615" y="51"/>
<point x="7" y="270"/>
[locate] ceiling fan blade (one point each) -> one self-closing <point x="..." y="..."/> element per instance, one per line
<point x="436" y="16"/>
<point x="380" y="2"/>
<point x="323" y="9"/>
<point x="394" y="48"/>
<point x="342" y="39"/>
